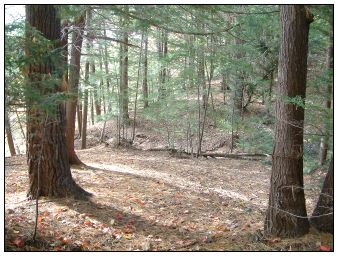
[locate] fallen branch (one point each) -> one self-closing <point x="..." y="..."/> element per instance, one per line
<point x="235" y="156"/>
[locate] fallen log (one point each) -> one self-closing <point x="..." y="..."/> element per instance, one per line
<point x="236" y="156"/>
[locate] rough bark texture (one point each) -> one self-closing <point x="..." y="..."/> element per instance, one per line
<point x="324" y="207"/>
<point x="45" y="133"/>
<point x="286" y="214"/>
<point x="74" y="77"/>
<point x="324" y="142"/>
<point x="145" y="72"/>
<point x="9" y="136"/>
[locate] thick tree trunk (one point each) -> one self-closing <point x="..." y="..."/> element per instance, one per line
<point x="145" y="72"/>
<point x="322" y="216"/>
<point x="324" y="143"/>
<point x="286" y="214"/>
<point x="74" y="77"/>
<point x="48" y="165"/>
<point x="9" y="136"/>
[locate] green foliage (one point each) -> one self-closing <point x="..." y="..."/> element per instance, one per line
<point x="256" y="137"/>
<point x="297" y="101"/>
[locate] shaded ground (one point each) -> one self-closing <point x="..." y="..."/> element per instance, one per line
<point x="152" y="201"/>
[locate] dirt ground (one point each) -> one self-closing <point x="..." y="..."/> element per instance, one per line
<point x="152" y="201"/>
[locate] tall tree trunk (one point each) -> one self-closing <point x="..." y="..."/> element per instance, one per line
<point x="85" y="110"/>
<point x="239" y="81"/>
<point x="201" y="76"/>
<point x="9" y="136"/>
<point x="324" y="142"/>
<point x="286" y="214"/>
<point x="191" y="60"/>
<point x="48" y="164"/>
<point x="162" y="54"/>
<point x="92" y="107"/>
<point x="74" y="77"/>
<point x="106" y="67"/>
<point x="85" y="102"/>
<point x="322" y="216"/>
<point x="145" y="72"/>
<point x="124" y="72"/>
<point x="101" y="89"/>
<point x="79" y="116"/>
<point x="96" y="95"/>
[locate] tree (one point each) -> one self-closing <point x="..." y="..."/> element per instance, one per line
<point x="145" y="72"/>
<point x="324" y="143"/>
<point x="322" y="216"/>
<point x="9" y="136"/>
<point x="286" y="215"/>
<point x="74" y="77"/>
<point x="162" y="47"/>
<point x="124" y="99"/>
<point x="48" y="165"/>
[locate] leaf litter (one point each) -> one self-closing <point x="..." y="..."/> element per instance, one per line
<point x="150" y="201"/>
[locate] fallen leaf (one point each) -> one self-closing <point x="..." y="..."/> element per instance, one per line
<point x="118" y="216"/>
<point x="112" y="222"/>
<point x="19" y="242"/>
<point x="88" y="223"/>
<point x="65" y="240"/>
<point x="222" y="228"/>
<point x="45" y="213"/>
<point x="58" y="248"/>
<point x="127" y="236"/>
<point x="138" y="201"/>
<point x="40" y="218"/>
<point x="325" y="248"/>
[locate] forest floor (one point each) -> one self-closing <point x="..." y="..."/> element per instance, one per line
<point x="145" y="200"/>
<point x="155" y="200"/>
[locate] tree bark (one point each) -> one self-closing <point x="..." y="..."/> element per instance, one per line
<point x="74" y="77"/>
<point x="106" y="66"/>
<point x="162" y="53"/>
<point x="286" y="214"/>
<point x="201" y="76"/>
<point x="324" y="207"/>
<point x="85" y="110"/>
<point x="324" y="142"/>
<point x="79" y="117"/>
<point x="145" y="72"/>
<point x="124" y="73"/>
<point x="48" y="167"/>
<point x="9" y="136"/>
<point x="239" y="81"/>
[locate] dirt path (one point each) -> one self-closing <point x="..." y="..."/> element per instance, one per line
<point x="151" y="201"/>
